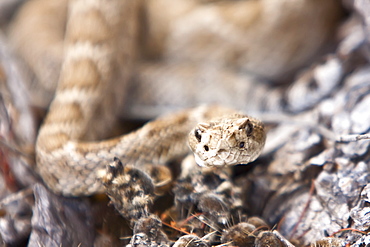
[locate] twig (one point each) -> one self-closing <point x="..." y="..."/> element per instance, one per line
<point x="320" y="128"/>
<point x="352" y="138"/>
<point x="312" y="189"/>
<point x="14" y="149"/>
<point x="348" y="229"/>
<point x="282" y="239"/>
<point x="16" y="196"/>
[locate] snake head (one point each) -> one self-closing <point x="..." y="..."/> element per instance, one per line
<point x="232" y="140"/>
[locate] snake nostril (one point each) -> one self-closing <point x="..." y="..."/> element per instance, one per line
<point x="206" y="148"/>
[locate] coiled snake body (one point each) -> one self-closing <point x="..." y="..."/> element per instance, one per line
<point x="96" y="61"/>
<point x="100" y="51"/>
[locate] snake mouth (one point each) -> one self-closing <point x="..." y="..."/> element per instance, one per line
<point x="199" y="161"/>
<point x="218" y="161"/>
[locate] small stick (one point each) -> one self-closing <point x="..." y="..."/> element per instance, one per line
<point x="352" y="138"/>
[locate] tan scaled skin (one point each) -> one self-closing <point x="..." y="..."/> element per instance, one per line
<point x="87" y="50"/>
<point x="232" y="140"/>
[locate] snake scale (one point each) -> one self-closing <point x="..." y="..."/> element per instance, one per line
<point x="100" y="51"/>
<point x="97" y="60"/>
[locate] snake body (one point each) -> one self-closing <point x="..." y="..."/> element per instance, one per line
<point x="84" y="105"/>
<point x="100" y="50"/>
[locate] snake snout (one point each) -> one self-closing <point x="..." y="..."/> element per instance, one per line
<point x="223" y="153"/>
<point x="225" y="156"/>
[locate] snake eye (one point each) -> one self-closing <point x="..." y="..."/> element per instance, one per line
<point x="206" y="148"/>
<point x="249" y="129"/>
<point x="241" y="144"/>
<point x="198" y="134"/>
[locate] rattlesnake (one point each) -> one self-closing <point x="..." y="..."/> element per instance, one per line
<point x="100" y="51"/>
<point x="84" y="102"/>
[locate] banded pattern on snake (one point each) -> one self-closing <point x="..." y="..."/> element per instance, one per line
<point x="84" y="105"/>
<point x="100" y="51"/>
